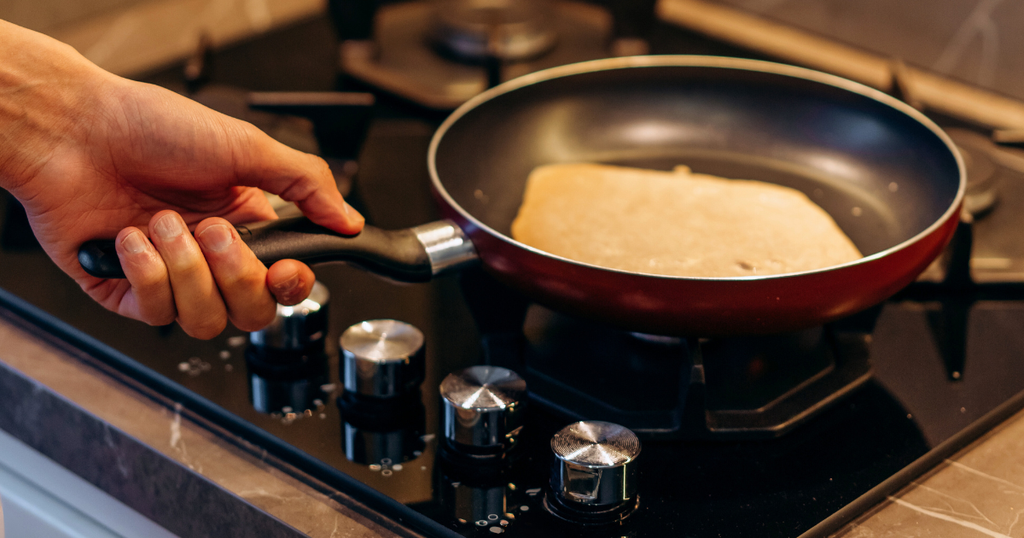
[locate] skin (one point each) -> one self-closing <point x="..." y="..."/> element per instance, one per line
<point x="91" y="155"/>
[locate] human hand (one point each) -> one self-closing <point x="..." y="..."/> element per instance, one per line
<point x="91" y="155"/>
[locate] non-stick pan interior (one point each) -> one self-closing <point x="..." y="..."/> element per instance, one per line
<point x="882" y="174"/>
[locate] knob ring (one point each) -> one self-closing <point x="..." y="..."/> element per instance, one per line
<point x="579" y="514"/>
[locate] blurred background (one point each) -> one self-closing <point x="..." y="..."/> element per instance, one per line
<point x="970" y="42"/>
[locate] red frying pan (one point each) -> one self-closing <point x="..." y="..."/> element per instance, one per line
<point x="891" y="179"/>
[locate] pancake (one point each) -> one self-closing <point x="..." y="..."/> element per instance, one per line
<point x="676" y="223"/>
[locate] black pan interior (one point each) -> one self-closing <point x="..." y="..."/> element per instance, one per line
<point x="882" y="175"/>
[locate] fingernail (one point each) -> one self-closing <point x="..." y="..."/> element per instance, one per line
<point x="168" y="227"/>
<point x="216" y="238"/>
<point x="134" y="243"/>
<point x="287" y="287"/>
<point x="351" y="213"/>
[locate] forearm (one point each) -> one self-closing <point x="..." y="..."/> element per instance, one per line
<point x="49" y="94"/>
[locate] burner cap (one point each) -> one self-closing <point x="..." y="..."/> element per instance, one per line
<point x="510" y="30"/>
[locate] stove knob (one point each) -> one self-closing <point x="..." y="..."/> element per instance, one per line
<point x="301" y="328"/>
<point x="286" y="361"/>
<point x="483" y="409"/>
<point x="382" y="358"/>
<point x="595" y="465"/>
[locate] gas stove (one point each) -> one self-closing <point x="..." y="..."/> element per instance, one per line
<point x="461" y="409"/>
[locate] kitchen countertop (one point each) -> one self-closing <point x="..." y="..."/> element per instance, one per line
<point x="977" y="492"/>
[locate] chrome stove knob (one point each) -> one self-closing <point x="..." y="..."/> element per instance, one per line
<point x="382" y="358"/>
<point x="482" y="409"/>
<point x="287" y="360"/>
<point x="595" y="465"/>
<point x="298" y="328"/>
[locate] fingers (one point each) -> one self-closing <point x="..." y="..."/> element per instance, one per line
<point x="151" y="299"/>
<point x="200" y="308"/>
<point x="204" y="280"/>
<point x="290" y="281"/>
<point x="240" y="277"/>
<point x="301" y="178"/>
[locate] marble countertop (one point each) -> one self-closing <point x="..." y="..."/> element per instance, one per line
<point x="977" y="492"/>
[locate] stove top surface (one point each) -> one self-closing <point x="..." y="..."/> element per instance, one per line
<point x="783" y="486"/>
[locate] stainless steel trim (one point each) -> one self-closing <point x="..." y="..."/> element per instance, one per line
<point x="447" y="246"/>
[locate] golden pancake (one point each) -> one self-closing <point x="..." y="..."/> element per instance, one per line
<point x="676" y="223"/>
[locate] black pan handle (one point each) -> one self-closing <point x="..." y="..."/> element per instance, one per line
<point x="409" y="255"/>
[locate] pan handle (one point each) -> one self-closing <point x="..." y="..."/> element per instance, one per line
<point x="409" y="255"/>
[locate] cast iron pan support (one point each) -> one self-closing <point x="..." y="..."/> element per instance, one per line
<point x="847" y="344"/>
<point x="199" y="65"/>
<point x="950" y="323"/>
<point x="499" y="313"/>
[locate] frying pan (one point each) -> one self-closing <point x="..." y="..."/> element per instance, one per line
<point x="891" y="179"/>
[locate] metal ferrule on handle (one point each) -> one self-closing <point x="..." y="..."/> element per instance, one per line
<point x="446" y="245"/>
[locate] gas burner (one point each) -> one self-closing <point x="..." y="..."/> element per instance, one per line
<point x="986" y="249"/>
<point x="483" y="42"/>
<point x="507" y="30"/>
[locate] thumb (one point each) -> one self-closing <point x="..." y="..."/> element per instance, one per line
<point x="303" y="179"/>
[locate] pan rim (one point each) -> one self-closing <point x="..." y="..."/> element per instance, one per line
<point x="719" y="62"/>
